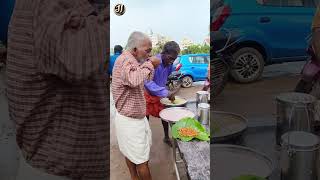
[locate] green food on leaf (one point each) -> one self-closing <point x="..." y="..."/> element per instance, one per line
<point x="249" y="177"/>
<point x="191" y="123"/>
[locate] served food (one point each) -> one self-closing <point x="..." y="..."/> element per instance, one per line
<point x="188" y="132"/>
<point x="177" y="101"/>
<point x="189" y="128"/>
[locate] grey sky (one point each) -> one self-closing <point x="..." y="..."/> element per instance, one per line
<point x="173" y="18"/>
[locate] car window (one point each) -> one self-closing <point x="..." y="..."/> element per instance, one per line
<point x="206" y="60"/>
<point x="199" y="59"/>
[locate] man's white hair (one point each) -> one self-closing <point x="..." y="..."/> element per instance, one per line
<point x="135" y="40"/>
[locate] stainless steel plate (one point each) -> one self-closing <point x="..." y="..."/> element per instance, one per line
<point x="230" y="161"/>
<point x="225" y="125"/>
<point x="164" y="102"/>
<point x="174" y="114"/>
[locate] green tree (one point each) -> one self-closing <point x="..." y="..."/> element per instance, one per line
<point x="196" y="49"/>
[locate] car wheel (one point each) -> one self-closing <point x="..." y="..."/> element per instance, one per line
<point x="248" y="65"/>
<point x="187" y="81"/>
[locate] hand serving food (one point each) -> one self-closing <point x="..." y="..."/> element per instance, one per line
<point x="176" y="101"/>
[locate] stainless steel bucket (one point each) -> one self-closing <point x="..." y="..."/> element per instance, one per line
<point x="295" y="112"/>
<point x="202" y="97"/>
<point x="204" y="113"/>
<point x="299" y="156"/>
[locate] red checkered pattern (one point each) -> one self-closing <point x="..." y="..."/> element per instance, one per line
<point x="128" y="85"/>
<point x="56" y="86"/>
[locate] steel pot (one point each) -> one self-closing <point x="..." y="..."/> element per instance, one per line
<point x="299" y="158"/>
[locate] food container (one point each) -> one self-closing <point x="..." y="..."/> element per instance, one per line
<point x="226" y="127"/>
<point x="299" y="158"/>
<point x="295" y="112"/>
<point x="202" y="97"/>
<point x="204" y="113"/>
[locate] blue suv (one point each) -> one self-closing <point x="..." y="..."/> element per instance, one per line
<point x="194" y="67"/>
<point x="273" y="31"/>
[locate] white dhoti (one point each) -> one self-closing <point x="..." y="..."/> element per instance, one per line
<point x="134" y="138"/>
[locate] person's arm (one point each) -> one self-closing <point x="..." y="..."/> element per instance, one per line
<point x="316" y="34"/>
<point x="316" y="42"/>
<point x="133" y="75"/>
<point x="156" y="90"/>
<point x="71" y="40"/>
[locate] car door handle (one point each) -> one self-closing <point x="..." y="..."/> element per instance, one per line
<point x="265" y="19"/>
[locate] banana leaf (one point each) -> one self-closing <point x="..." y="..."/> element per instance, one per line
<point x="248" y="177"/>
<point x="191" y="123"/>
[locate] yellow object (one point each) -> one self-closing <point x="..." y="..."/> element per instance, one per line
<point x="177" y="101"/>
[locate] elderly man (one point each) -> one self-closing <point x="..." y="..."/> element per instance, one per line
<point x="156" y="89"/>
<point x="130" y="71"/>
<point x="56" y="88"/>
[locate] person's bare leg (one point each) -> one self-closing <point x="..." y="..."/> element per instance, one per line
<point x="144" y="171"/>
<point x="133" y="170"/>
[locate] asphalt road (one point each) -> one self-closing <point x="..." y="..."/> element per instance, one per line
<point x="256" y="101"/>
<point x="9" y="157"/>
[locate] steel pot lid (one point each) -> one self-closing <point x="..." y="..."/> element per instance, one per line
<point x="175" y="114"/>
<point x="296" y="98"/>
<point x="203" y="92"/>
<point x="300" y="140"/>
<point x="204" y="105"/>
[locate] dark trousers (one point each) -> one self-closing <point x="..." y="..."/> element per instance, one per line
<point x="165" y="126"/>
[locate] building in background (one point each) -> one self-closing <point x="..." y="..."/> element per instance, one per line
<point x="207" y="41"/>
<point x="157" y="39"/>
<point x="185" y="42"/>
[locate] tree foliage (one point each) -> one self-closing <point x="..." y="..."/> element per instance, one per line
<point x="192" y="49"/>
<point x="196" y="49"/>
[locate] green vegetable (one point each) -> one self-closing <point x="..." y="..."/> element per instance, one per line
<point x="192" y="123"/>
<point x="249" y="177"/>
